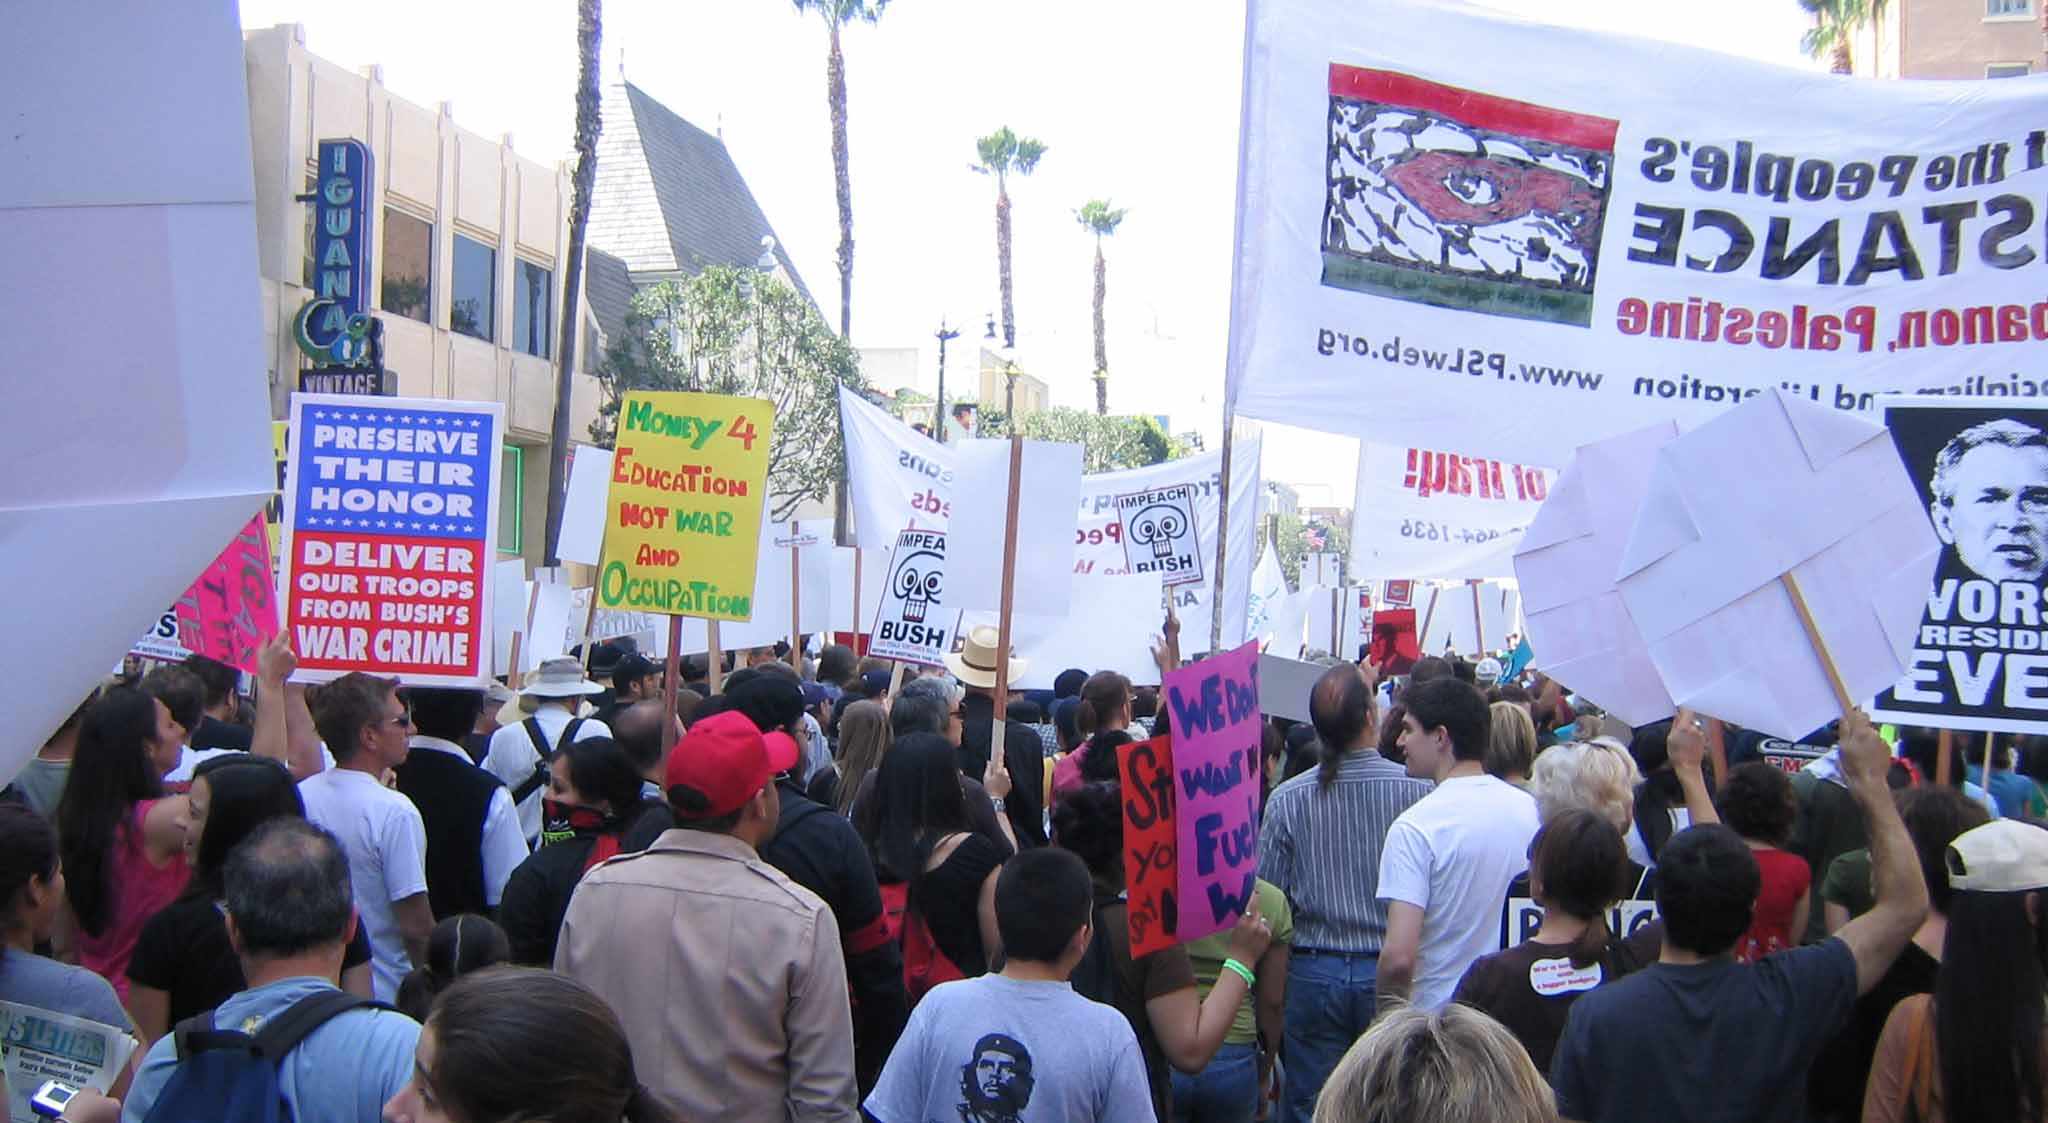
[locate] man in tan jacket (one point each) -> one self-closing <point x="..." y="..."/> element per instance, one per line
<point x="726" y="974"/>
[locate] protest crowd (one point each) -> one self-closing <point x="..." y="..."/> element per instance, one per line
<point x="825" y="891"/>
<point x="1700" y="778"/>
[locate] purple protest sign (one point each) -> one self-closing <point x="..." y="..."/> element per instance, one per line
<point x="1216" y="756"/>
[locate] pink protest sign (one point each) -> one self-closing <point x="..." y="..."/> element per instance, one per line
<point x="1214" y="708"/>
<point x="230" y="612"/>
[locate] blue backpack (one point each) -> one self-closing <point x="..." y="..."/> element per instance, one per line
<point x="232" y="1076"/>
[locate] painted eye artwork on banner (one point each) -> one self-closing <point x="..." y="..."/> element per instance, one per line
<point x="1462" y="200"/>
<point x="1160" y="534"/>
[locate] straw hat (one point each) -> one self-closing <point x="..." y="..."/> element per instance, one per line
<point x="975" y="664"/>
<point x="560" y="677"/>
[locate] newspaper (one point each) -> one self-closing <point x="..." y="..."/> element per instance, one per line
<point x="39" y="1045"/>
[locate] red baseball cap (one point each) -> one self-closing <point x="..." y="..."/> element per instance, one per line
<point x="723" y="761"/>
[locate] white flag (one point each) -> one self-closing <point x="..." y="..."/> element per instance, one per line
<point x="1269" y="585"/>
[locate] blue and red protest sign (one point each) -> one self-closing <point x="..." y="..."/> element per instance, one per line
<point x="391" y="506"/>
<point x="1214" y="706"/>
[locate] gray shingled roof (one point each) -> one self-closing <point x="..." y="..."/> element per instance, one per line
<point x="609" y="289"/>
<point x="669" y="197"/>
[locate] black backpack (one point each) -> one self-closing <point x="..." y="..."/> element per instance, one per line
<point x="539" y="777"/>
<point x="1096" y="977"/>
<point x="231" y="1076"/>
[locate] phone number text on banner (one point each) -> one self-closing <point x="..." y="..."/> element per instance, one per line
<point x="391" y="510"/>
<point x="683" y="514"/>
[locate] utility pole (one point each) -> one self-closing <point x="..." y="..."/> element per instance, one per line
<point x="945" y="336"/>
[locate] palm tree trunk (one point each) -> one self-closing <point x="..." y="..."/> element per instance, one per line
<point x="1003" y="264"/>
<point x="589" y="30"/>
<point x="835" y="94"/>
<point x="1842" y="63"/>
<point x="1101" y="335"/>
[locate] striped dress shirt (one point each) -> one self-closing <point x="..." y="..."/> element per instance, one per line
<point x="1322" y="847"/>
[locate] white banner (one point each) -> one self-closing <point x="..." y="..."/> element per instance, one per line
<point x="1437" y="236"/>
<point x="900" y="478"/>
<point x="1429" y="512"/>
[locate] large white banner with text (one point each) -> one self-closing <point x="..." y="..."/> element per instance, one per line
<point x="1517" y="238"/>
<point x="1433" y="512"/>
<point x="901" y="478"/>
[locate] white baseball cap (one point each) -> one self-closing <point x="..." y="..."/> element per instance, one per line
<point x="2002" y="856"/>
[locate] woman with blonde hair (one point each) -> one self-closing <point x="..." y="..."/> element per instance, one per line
<point x="1453" y="1066"/>
<point x="864" y="738"/>
<point x="1511" y="744"/>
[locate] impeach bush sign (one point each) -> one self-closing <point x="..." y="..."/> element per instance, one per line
<point x="1980" y="655"/>
<point x="1216" y="758"/>
<point x="911" y="624"/>
<point x="1159" y="533"/>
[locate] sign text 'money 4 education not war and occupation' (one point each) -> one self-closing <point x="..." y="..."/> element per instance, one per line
<point x="683" y="513"/>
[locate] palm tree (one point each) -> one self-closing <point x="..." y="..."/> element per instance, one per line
<point x="589" y="30"/>
<point x="837" y="14"/>
<point x="1100" y="219"/>
<point x="1000" y="153"/>
<point x="1836" y="23"/>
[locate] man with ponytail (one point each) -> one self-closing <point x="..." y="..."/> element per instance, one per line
<point x="1320" y="843"/>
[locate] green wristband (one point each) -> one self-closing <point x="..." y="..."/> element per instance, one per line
<point x="1243" y="972"/>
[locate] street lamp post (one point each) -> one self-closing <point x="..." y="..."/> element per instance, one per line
<point x="945" y="335"/>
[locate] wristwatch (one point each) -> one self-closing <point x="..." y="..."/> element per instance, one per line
<point x="997" y="801"/>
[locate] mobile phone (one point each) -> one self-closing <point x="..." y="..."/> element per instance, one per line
<point x="51" y="1099"/>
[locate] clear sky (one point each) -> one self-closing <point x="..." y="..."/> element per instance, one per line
<point x="1136" y="107"/>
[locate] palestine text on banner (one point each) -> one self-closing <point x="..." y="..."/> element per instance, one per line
<point x="390" y="513"/>
<point x="682" y="527"/>
<point x="1438" y="238"/>
<point x="1214" y="705"/>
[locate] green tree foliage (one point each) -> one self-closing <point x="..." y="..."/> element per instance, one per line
<point x="731" y="330"/>
<point x="1107" y="443"/>
<point x="1292" y="542"/>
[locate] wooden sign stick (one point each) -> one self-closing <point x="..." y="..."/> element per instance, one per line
<point x="1478" y="625"/>
<point x="896" y="670"/>
<point x="532" y="601"/>
<point x="673" y="672"/>
<point x="1820" y="647"/>
<point x="858" y="647"/>
<point x="715" y="656"/>
<point x="1944" y="757"/>
<point x="1002" y="690"/>
<point x="1717" y="747"/>
<point x="1428" y="614"/>
<point x="796" y="580"/>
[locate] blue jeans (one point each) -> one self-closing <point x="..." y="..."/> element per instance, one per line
<point x="1225" y="1091"/>
<point x="1330" y="999"/>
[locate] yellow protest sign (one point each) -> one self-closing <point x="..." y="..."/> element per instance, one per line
<point x="683" y="512"/>
<point x="273" y="517"/>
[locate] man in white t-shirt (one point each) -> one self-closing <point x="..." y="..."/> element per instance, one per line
<point x="517" y="755"/>
<point x="369" y="730"/>
<point x="1449" y="858"/>
<point x="1020" y="1045"/>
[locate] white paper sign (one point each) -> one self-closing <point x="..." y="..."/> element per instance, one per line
<point x="1048" y="495"/>
<point x="874" y="571"/>
<point x="1523" y="917"/>
<point x="1159" y="533"/>
<point x="1778" y="485"/>
<point x="582" y="536"/>
<point x="1511" y="232"/>
<point x="1432" y="512"/>
<point x="900" y="478"/>
<point x="914" y="624"/>
<point x="1113" y="626"/>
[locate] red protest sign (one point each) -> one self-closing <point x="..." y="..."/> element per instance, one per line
<point x="230" y="612"/>
<point x="1395" y="644"/>
<point x="1151" y="870"/>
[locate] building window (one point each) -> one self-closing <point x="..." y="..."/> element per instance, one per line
<point x="2007" y="70"/>
<point x="474" y="309"/>
<point x="511" y="498"/>
<point x="408" y="266"/>
<point x="2007" y="9"/>
<point x="533" y="289"/>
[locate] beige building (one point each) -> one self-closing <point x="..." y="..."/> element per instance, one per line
<point x="1952" y="39"/>
<point x="1032" y="393"/>
<point x="467" y="244"/>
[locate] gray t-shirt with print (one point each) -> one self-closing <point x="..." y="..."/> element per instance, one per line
<point x="999" y="1050"/>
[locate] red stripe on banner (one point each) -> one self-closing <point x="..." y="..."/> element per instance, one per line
<point x="1485" y="111"/>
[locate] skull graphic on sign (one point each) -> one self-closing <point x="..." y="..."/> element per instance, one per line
<point x="919" y="579"/>
<point x="1158" y="526"/>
